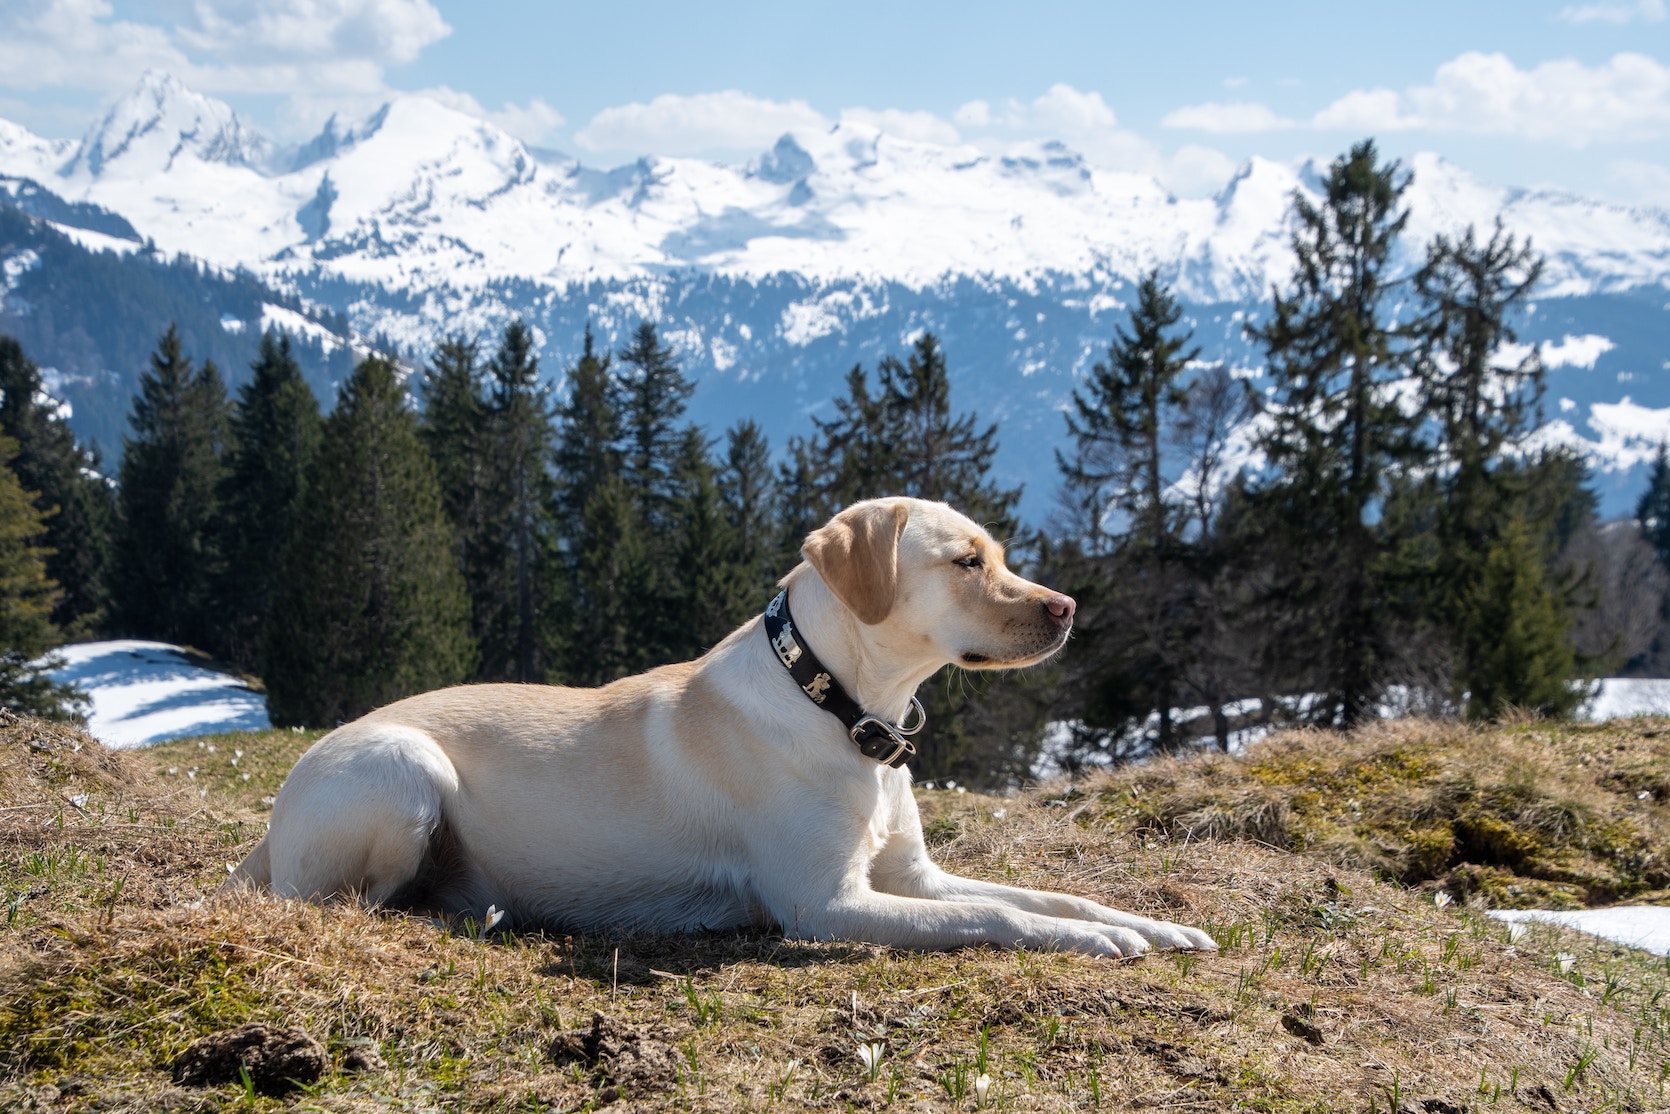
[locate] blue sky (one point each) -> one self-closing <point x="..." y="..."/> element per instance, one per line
<point x="1569" y="94"/>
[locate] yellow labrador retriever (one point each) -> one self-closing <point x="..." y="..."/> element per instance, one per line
<point x="761" y="784"/>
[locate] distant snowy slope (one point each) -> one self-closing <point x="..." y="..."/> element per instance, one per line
<point x="148" y="692"/>
<point x="420" y="194"/>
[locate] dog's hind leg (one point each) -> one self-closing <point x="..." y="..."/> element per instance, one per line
<point x="358" y="814"/>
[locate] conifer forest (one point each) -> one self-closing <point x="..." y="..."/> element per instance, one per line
<point x="1375" y="530"/>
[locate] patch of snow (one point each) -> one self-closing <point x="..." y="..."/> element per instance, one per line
<point x="14" y="266"/>
<point x="96" y="241"/>
<point x="1623" y="697"/>
<point x="1638" y="926"/>
<point x="231" y="324"/>
<point x="297" y="325"/>
<point x="148" y="692"/>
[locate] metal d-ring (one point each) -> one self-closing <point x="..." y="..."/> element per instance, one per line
<point x="921" y="718"/>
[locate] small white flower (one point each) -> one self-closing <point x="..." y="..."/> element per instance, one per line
<point x="1441" y="899"/>
<point x="961" y="790"/>
<point x="870" y="1052"/>
<point x="246" y="777"/>
<point x="234" y="761"/>
<point x="200" y="746"/>
<point x="1645" y="794"/>
<point x="1566" y="961"/>
<point x="999" y="813"/>
<point x="1517" y="931"/>
<point x="237" y="754"/>
<point x="172" y="770"/>
<point x="231" y="868"/>
<point x="79" y="800"/>
<point x="494" y="916"/>
<point x="981" y="1086"/>
<point x="211" y="748"/>
<point x="192" y="774"/>
<point x="950" y="784"/>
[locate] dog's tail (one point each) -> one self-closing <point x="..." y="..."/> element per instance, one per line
<point x="254" y="873"/>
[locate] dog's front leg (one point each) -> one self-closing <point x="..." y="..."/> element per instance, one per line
<point x="867" y="915"/>
<point x="904" y="868"/>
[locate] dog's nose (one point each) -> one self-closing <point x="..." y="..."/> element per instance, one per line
<point x="1061" y="609"/>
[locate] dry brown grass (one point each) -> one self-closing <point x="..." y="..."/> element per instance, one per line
<point x="1333" y="991"/>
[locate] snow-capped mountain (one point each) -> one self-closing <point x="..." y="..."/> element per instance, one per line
<point x="830" y="248"/>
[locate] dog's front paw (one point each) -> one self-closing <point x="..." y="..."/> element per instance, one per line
<point x="1166" y="935"/>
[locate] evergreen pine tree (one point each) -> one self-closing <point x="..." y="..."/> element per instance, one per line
<point x="1525" y="658"/>
<point x="27" y="598"/>
<point x="613" y="570"/>
<point x="508" y="586"/>
<point x="588" y="645"/>
<point x="1653" y="509"/>
<point x="80" y="509"/>
<point x="1337" y="434"/>
<point x="167" y="562"/>
<point x="1132" y="407"/>
<point x="371" y="606"/>
<point x="1479" y="409"/>
<point x="655" y="459"/>
<point x="712" y="593"/>
<point x="748" y="490"/>
<point x="453" y="429"/>
<point x="275" y="431"/>
<point x="654" y="393"/>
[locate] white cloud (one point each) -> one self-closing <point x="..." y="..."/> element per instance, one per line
<point x="382" y="31"/>
<point x="1626" y="98"/>
<point x="974" y="114"/>
<point x="1066" y="111"/>
<point x="1648" y="11"/>
<point x="535" y="122"/>
<point x="1365" y="110"/>
<point x="294" y="47"/>
<point x="674" y="124"/>
<point x="923" y="127"/>
<point x="1237" y="117"/>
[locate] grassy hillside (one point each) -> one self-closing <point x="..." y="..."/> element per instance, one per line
<point x="1337" y="988"/>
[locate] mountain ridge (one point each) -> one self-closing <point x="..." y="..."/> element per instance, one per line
<point x="771" y="278"/>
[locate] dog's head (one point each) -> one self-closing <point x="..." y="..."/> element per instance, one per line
<point x="920" y="571"/>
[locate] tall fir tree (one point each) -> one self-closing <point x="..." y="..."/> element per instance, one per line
<point x="654" y="394"/>
<point x="711" y="592"/>
<point x="275" y="431"/>
<point x="511" y="585"/>
<point x="371" y="606"/>
<point x="592" y="513"/>
<point x="1125" y="424"/>
<point x="1653" y="509"/>
<point x="79" y="506"/>
<point x="748" y="491"/>
<point x="167" y="561"/>
<point x="655" y="457"/>
<point x="453" y="429"/>
<point x="1480" y="408"/>
<point x="27" y="598"/>
<point x="1337" y="435"/>
<point x="1525" y="658"/>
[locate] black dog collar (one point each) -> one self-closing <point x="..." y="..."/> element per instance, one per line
<point x="874" y="737"/>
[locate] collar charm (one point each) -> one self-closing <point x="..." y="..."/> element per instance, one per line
<point x="887" y="743"/>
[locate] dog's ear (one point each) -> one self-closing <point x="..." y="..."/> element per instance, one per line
<point x="857" y="554"/>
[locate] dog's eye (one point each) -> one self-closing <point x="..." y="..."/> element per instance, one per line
<point x="972" y="561"/>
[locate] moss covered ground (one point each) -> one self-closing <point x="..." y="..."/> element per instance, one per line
<point x="1314" y="861"/>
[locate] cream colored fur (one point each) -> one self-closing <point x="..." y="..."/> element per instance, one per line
<point x="710" y="794"/>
